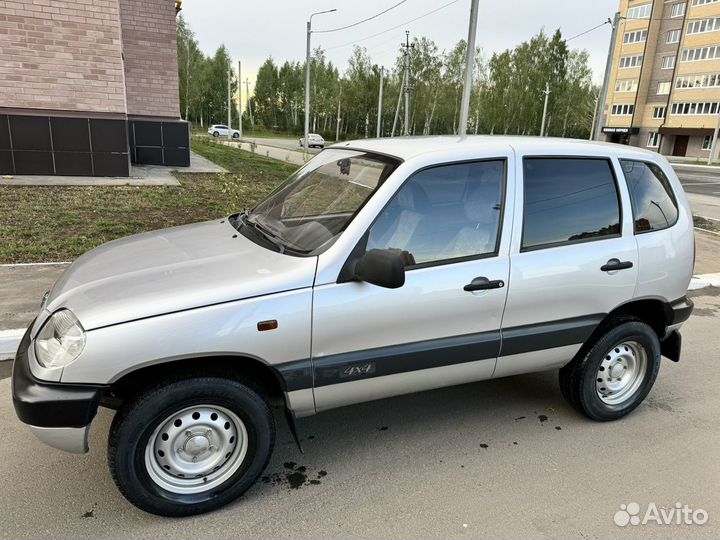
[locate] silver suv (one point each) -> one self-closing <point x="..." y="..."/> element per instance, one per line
<point x="381" y="267"/>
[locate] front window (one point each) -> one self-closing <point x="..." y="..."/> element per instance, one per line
<point x="310" y="210"/>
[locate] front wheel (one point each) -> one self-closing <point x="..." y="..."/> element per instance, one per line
<point x="236" y="136"/>
<point x="216" y="133"/>
<point x="611" y="378"/>
<point x="190" y="446"/>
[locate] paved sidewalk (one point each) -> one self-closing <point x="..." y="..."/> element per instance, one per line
<point x="274" y="152"/>
<point x="140" y="175"/>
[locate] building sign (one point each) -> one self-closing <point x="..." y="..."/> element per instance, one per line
<point x="621" y="130"/>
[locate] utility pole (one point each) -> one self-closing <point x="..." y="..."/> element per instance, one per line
<point x="187" y="79"/>
<point x="229" y="104"/>
<point x="595" y="111"/>
<point x="406" y="47"/>
<point x="249" y="104"/>
<point x="307" y="77"/>
<point x="240" y="108"/>
<point x="380" y="102"/>
<point x="547" y="95"/>
<point x="397" y="109"/>
<point x="713" y="147"/>
<point x="337" y="125"/>
<point x="606" y="82"/>
<point x="469" y="65"/>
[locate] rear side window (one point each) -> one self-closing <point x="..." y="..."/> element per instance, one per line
<point x="568" y="200"/>
<point x="653" y="202"/>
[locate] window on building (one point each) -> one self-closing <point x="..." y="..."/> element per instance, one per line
<point x="703" y="2"/>
<point x="624" y="109"/>
<point x="626" y="85"/>
<point x="635" y="36"/>
<point x="673" y="36"/>
<point x="444" y="213"/>
<point x="668" y="62"/>
<point x="704" y="25"/>
<point x="653" y="139"/>
<point x="631" y="61"/>
<point x="710" y="80"/>
<point x="659" y="113"/>
<point x="567" y="200"/>
<point x="653" y="202"/>
<point x="678" y="10"/>
<point x="695" y="109"/>
<point x="639" y="12"/>
<point x="701" y="53"/>
<point x="663" y="88"/>
<point x="707" y="142"/>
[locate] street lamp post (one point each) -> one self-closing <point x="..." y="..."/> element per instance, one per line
<point x="307" y="77"/>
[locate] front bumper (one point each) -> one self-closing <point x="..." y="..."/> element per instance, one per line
<point x="58" y="414"/>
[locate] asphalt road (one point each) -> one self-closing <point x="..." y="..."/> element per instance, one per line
<point x="504" y="458"/>
<point x="290" y="144"/>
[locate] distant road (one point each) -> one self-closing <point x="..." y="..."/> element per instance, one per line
<point x="702" y="187"/>
<point x="290" y="144"/>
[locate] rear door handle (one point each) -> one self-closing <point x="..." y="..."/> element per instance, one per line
<point x="616" y="264"/>
<point x="483" y="284"/>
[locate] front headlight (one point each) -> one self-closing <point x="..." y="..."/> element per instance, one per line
<point x="60" y="340"/>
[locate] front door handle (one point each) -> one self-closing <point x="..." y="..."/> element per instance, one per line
<point x="616" y="264"/>
<point x="483" y="284"/>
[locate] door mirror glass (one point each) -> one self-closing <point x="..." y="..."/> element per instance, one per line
<point x="381" y="267"/>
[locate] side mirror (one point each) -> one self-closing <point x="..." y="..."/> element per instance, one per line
<point x="381" y="267"/>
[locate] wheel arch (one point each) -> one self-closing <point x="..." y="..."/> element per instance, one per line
<point x="261" y="375"/>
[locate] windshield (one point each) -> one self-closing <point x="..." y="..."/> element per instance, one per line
<point x="307" y="213"/>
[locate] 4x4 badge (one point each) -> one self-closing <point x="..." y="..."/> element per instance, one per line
<point x="358" y="370"/>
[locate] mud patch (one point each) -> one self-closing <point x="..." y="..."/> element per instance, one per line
<point x="542" y="418"/>
<point x="90" y="513"/>
<point x="294" y="476"/>
<point x="705" y="312"/>
<point x="483" y="445"/>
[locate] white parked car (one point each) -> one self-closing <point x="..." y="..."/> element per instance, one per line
<point x="379" y="268"/>
<point x="314" y="141"/>
<point x="221" y="130"/>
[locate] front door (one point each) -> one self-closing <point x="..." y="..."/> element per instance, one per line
<point x="681" y="144"/>
<point x="442" y="327"/>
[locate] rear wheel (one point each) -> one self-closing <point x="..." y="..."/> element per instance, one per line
<point x="190" y="446"/>
<point x="614" y="375"/>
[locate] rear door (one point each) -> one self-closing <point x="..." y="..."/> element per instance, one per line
<point x="574" y="258"/>
<point x="452" y="225"/>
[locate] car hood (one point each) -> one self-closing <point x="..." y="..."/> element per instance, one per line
<point x="173" y="270"/>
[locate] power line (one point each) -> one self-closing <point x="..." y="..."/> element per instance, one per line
<point x="360" y="22"/>
<point x="590" y="30"/>
<point x="394" y="27"/>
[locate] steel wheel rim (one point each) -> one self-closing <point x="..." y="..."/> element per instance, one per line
<point x="196" y="449"/>
<point x="621" y="372"/>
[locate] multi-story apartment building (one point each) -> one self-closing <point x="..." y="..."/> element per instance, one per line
<point x="88" y="87"/>
<point x="664" y="91"/>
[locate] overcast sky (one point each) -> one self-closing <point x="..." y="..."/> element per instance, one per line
<point x="253" y="30"/>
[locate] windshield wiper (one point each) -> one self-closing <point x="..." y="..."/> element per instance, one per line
<point x="269" y="235"/>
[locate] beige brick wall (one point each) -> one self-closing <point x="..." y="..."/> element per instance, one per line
<point x="61" y="55"/>
<point x="149" y="44"/>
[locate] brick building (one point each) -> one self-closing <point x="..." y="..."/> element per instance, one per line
<point x="664" y="92"/>
<point x="89" y="86"/>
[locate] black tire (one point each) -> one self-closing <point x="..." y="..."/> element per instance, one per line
<point x="578" y="378"/>
<point x="236" y="136"/>
<point x="137" y="419"/>
<point x="216" y="133"/>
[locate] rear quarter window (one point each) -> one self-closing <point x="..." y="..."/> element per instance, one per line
<point x="653" y="201"/>
<point x="568" y="200"/>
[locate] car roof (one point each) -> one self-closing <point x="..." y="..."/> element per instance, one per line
<point x="409" y="147"/>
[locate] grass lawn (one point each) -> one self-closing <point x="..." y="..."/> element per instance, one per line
<point x="46" y="223"/>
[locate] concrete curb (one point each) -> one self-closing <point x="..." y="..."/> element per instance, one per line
<point x="9" y="342"/>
